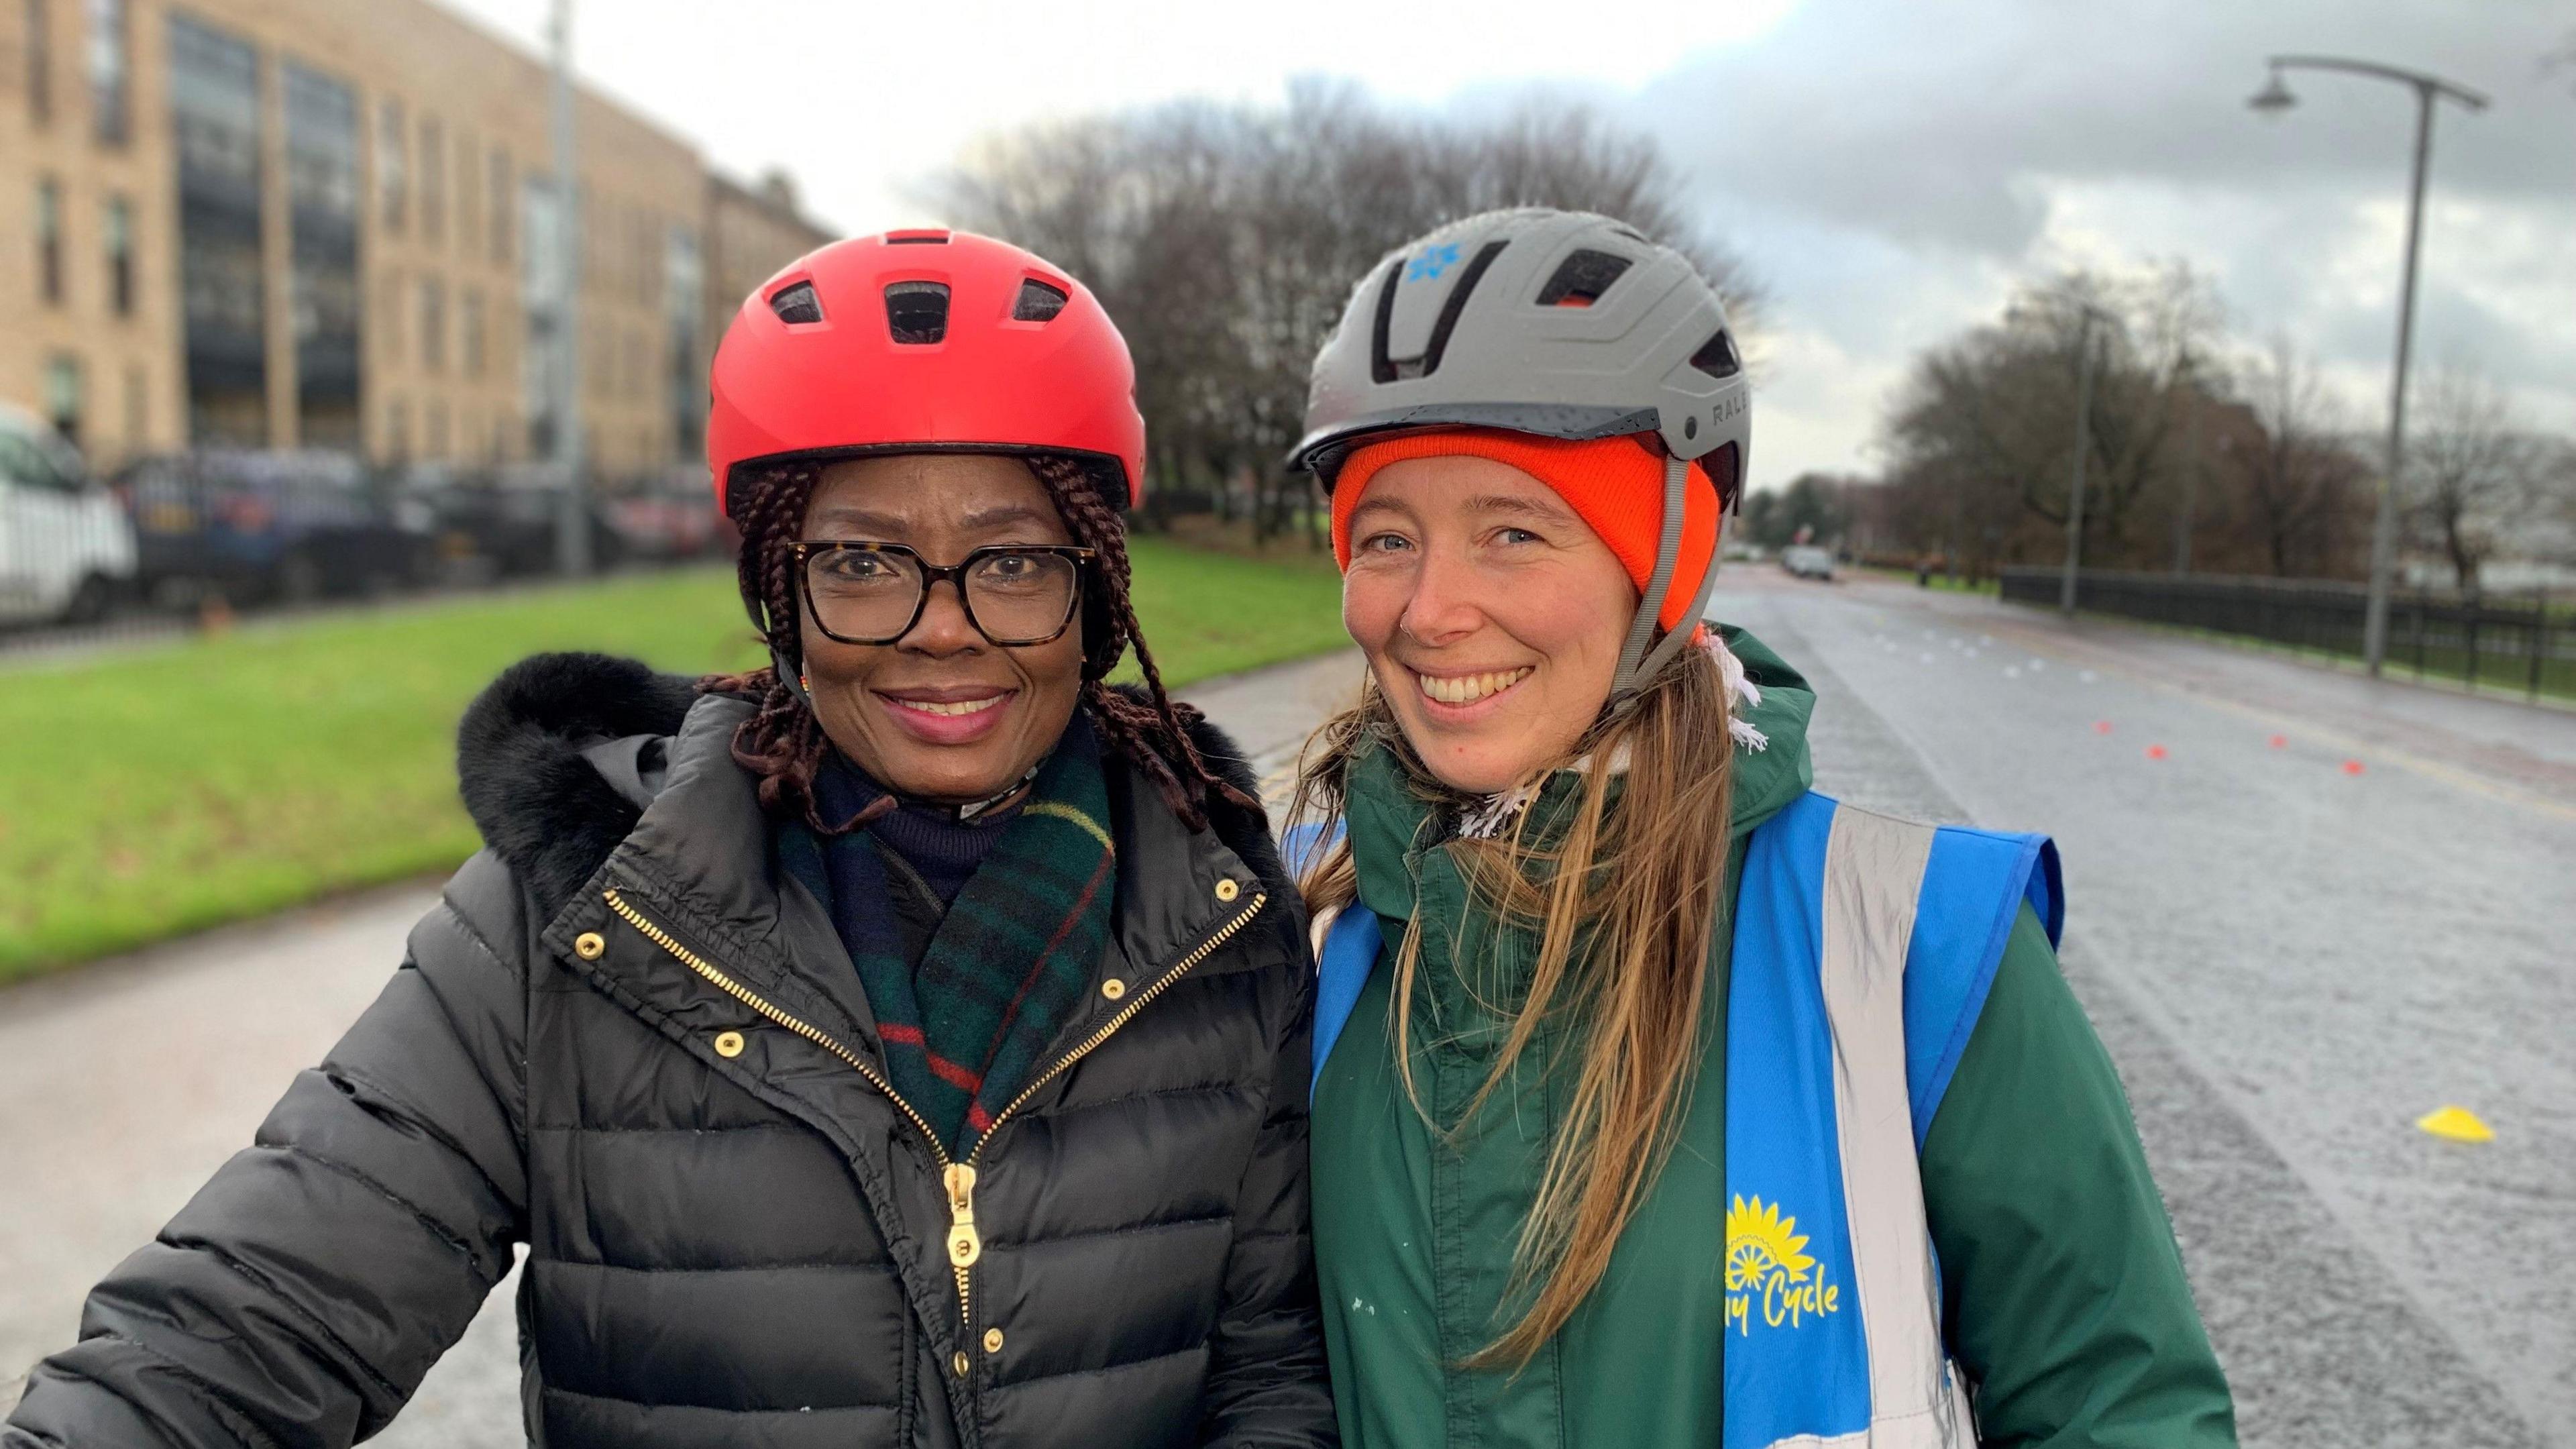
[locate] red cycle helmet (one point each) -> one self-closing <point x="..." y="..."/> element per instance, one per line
<point x="919" y="341"/>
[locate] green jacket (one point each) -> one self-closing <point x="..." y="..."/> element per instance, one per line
<point x="2063" y="1293"/>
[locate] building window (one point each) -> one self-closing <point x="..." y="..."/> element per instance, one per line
<point x="496" y="191"/>
<point x="325" y="205"/>
<point x="433" y="323"/>
<point x="40" y="61"/>
<point x="473" y="324"/>
<point x="469" y="199"/>
<point x="63" y="395"/>
<point x="49" y="240"/>
<point x="393" y="166"/>
<point x="137" y="401"/>
<point x="433" y="441"/>
<point x="433" y="179"/>
<point x="120" y="256"/>
<point x="398" y="430"/>
<point x="215" y="118"/>
<point x="388" y="319"/>
<point x="111" y="67"/>
<point x="683" y="381"/>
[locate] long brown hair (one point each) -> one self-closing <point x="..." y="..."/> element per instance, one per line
<point x="1625" y="902"/>
<point x="783" y="745"/>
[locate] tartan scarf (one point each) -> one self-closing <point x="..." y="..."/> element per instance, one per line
<point x="1011" y="959"/>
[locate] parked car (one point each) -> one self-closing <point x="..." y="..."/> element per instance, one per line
<point x="668" y="515"/>
<point x="288" y="526"/>
<point x="66" y="550"/>
<point x="1807" y="561"/>
<point x="498" y="522"/>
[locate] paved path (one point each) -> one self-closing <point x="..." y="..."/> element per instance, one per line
<point x="2288" y="961"/>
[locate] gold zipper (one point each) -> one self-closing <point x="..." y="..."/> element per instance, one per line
<point x="965" y="1244"/>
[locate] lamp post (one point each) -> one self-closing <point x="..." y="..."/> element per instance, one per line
<point x="2083" y="445"/>
<point x="2275" y="98"/>
<point x="572" y="504"/>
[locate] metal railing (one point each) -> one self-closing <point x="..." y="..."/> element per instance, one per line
<point x="2520" y="641"/>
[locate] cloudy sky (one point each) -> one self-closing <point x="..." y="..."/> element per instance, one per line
<point x="1891" y="168"/>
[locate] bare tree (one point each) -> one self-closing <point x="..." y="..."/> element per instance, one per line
<point x="2472" y="477"/>
<point x="1994" y="410"/>
<point x="2298" y="480"/>
<point x="1226" y="241"/>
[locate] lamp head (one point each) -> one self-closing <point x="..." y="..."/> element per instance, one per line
<point x="2274" y="98"/>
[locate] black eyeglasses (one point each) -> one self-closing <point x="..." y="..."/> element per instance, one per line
<point x="874" y="593"/>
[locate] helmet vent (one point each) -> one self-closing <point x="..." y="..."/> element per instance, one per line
<point x="917" y="312"/>
<point x="1038" y="302"/>
<point x="1717" y="356"/>
<point x="916" y="238"/>
<point x="1581" y="279"/>
<point x="797" y="304"/>
<point x="1386" y="369"/>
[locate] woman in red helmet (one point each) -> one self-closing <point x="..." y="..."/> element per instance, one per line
<point x="903" y="1044"/>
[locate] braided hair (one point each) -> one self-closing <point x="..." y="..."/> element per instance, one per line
<point x="782" y="743"/>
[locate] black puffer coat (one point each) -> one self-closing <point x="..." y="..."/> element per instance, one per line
<point x="625" y="1041"/>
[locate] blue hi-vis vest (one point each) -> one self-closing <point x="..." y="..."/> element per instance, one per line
<point x="1863" y="949"/>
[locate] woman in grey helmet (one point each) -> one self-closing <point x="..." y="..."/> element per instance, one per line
<point x="1658" y="1099"/>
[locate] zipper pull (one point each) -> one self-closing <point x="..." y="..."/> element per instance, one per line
<point x="964" y="1244"/>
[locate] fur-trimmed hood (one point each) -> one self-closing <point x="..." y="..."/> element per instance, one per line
<point x="558" y="758"/>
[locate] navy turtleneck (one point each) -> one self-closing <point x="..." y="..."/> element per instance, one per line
<point x="941" y="850"/>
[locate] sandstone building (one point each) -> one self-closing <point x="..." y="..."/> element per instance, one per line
<point x="283" y="223"/>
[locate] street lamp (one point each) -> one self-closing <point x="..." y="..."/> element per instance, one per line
<point x="573" y="554"/>
<point x="2272" y="100"/>
<point x="2090" y="314"/>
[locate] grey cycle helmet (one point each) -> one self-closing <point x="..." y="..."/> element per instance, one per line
<point x="1558" y="323"/>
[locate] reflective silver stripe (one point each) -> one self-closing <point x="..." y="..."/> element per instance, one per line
<point x="1873" y="874"/>
<point x="1321" y="931"/>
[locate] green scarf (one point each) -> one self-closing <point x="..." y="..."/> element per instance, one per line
<point x="1010" y="961"/>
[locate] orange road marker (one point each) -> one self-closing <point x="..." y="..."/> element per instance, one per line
<point x="2352" y="767"/>
<point x="2101" y="726"/>
<point x="2155" y="752"/>
<point x="2280" y="742"/>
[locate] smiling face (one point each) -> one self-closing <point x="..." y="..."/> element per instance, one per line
<point x="942" y="713"/>
<point x="1491" y="615"/>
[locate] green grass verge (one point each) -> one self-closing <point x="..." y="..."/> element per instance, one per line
<point x="161" y="790"/>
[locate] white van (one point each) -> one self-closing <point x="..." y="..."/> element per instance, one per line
<point x="66" y="547"/>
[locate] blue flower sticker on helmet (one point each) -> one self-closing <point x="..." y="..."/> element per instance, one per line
<point x="1432" y="264"/>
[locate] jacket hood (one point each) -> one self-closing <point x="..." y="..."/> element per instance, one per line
<point x="559" y="757"/>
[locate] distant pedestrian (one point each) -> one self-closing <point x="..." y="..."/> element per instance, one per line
<point x="903" y="1044"/>
<point x="1661" y="1101"/>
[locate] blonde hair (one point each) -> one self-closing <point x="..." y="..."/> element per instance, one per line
<point x="1626" y="903"/>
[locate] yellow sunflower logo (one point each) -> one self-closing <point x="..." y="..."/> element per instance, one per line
<point x="1760" y="1242"/>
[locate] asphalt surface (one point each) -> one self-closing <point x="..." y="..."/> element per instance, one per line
<point x="2290" y="962"/>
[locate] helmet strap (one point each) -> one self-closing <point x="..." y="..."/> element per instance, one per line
<point x="1635" y="664"/>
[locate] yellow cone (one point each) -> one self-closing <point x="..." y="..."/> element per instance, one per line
<point x="2457" y="1124"/>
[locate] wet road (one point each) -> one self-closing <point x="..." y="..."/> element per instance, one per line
<point x="2289" y="962"/>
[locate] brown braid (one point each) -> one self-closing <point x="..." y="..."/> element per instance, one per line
<point x="783" y="744"/>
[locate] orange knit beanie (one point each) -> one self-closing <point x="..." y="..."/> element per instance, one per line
<point x="1615" y="484"/>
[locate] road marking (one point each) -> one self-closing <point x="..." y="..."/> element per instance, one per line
<point x="2430" y="769"/>
<point x="2456" y="1124"/>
